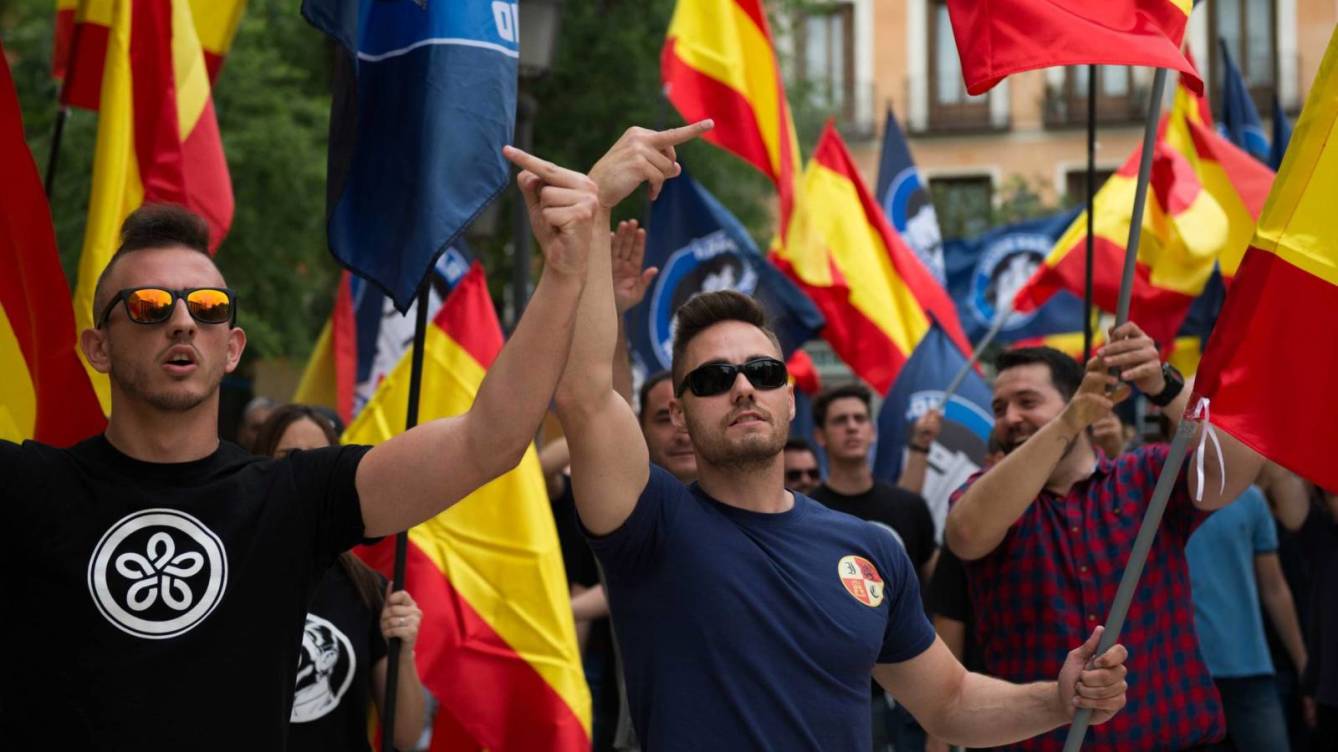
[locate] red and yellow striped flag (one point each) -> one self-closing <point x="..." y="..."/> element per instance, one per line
<point x="82" y="28"/>
<point x="718" y="62"/>
<point x="1203" y="198"/>
<point x="877" y="296"/>
<point x="498" y="644"/>
<point x="1270" y="384"/>
<point x="158" y="139"/>
<point x="44" y="393"/>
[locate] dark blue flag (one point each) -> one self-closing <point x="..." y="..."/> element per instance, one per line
<point x="700" y="247"/>
<point x="1282" y="135"/>
<point x="967" y="421"/>
<point x="906" y="200"/>
<point x="989" y="268"/>
<point x="424" y="100"/>
<point x="1240" y="123"/>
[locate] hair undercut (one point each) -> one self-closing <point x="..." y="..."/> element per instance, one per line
<point x="153" y="226"/>
<point x="1065" y="372"/>
<point x="826" y="397"/>
<point x="706" y="309"/>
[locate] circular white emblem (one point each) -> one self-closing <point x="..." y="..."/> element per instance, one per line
<point x="157" y="573"/>
<point x="325" y="670"/>
<point x="861" y="579"/>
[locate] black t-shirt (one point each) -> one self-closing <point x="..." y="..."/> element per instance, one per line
<point x="340" y="644"/>
<point x="577" y="558"/>
<point x="949" y="597"/>
<point x="1319" y="537"/>
<point x="903" y="512"/>
<point x="161" y="606"/>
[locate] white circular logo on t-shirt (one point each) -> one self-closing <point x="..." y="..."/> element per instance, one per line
<point x="325" y="669"/>
<point x="157" y="573"/>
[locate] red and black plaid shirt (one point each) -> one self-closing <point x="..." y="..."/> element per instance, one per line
<point x="1053" y="579"/>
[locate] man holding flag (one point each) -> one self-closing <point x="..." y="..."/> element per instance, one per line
<point x="161" y="548"/>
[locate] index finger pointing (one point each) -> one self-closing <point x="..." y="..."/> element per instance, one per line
<point x="683" y="134"/>
<point x="545" y="170"/>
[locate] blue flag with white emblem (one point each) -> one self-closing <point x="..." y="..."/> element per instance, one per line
<point x="700" y="247"/>
<point x="424" y="100"/>
<point x="989" y="268"/>
<point x="1240" y="124"/>
<point x="967" y="421"/>
<point x="906" y="201"/>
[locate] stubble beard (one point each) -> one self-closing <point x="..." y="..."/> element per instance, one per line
<point x="752" y="452"/>
<point x="134" y="381"/>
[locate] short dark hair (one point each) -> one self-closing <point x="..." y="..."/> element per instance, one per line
<point x="799" y="444"/>
<point x="1065" y="372"/>
<point x="829" y="395"/>
<point x="154" y="226"/>
<point x="643" y="395"/>
<point x="706" y="309"/>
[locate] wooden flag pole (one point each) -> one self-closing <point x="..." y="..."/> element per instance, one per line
<point x="1152" y="519"/>
<point x="402" y="538"/>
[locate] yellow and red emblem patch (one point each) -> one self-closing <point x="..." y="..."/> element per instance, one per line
<point x="861" y="580"/>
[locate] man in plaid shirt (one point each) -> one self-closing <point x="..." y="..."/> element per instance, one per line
<point x="1047" y="532"/>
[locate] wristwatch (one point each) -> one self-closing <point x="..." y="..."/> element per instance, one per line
<point x="1174" y="383"/>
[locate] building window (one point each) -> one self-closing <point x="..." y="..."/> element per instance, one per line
<point x="1075" y="184"/>
<point x="950" y="107"/>
<point x="1248" y="27"/>
<point x="964" y="204"/>
<point x="827" y="57"/>
<point x="1118" y="100"/>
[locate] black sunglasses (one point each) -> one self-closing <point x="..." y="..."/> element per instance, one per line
<point x="154" y="305"/>
<point x="717" y="378"/>
<point x="794" y="475"/>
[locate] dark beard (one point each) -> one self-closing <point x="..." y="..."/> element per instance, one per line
<point x="133" y="382"/>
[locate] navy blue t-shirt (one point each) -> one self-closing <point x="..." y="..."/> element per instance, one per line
<point x="745" y="630"/>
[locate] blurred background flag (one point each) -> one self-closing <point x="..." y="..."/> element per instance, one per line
<point x="425" y="98"/>
<point x="699" y="246"/>
<point x="967" y="421"/>
<point x="1282" y="135"/>
<point x="906" y="200"/>
<point x="1240" y="119"/>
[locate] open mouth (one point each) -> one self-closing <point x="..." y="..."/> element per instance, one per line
<point x="179" y="360"/>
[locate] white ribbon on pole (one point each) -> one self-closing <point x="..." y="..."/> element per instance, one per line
<point x="1202" y="414"/>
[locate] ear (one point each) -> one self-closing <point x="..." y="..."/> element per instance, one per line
<point x="676" y="415"/>
<point x="789" y="390"/>
<point x="236" y="344"/>
<point x="94" y="344"/>
<point x="820" y="436"/>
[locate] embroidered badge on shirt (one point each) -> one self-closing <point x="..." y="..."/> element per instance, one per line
<point x="862" y="581"/>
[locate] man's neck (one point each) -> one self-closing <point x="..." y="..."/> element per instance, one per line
<point x="849" y="477"/>
<point x="148" y="434"/>
<point x="757" y="488"/>
<point x="1077" y="465"/>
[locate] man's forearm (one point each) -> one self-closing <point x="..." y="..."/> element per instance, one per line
<point x="588" y="377"/>
<point x="622" y="364"/>
<point x="981" y="517"/>
<point x="1281" y="607"/>
<point x="913" y="474"/>
<point x="989" y="712"/>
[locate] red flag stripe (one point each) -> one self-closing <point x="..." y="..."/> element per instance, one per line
<point x="470" y="319"/>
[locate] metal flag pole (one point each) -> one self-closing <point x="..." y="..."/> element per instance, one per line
<point x="1152" y="518"/>
<point x="63" y="112"/>
<point x="1000" y="317"/>
<point x="1091" y="212"/>
<point x="402" y="538"/>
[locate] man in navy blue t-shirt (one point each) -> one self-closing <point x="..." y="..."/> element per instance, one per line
<point x="751" y="617"/>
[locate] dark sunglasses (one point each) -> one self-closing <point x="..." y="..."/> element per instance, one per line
<point x="793" y="475"/>
<point x="154" y="305"/>
<point x="718" y="378"/>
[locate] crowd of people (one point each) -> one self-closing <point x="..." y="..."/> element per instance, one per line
<point x="190" y="593"/>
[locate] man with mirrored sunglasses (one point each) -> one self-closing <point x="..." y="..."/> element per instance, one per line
<point x="750" y="617"/>
<point x="172" y="571"/>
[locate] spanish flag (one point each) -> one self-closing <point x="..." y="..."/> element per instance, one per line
<point x="1203" y="198"/>
<point x="997" y="38"/>
<point x="1266" y="381"/>
<point x="44" y="394"/>
<point x="718" y="62"/>
<point x="158" y="139"/>
<point x="498" y="644"/>
<point x="877" y="296"/>
<point x="82" y="28"/>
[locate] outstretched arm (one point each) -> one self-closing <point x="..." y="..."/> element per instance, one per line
<point x="609" y="460"/>
<point x="974" y="710"/>
<point x="417" y="474"/>
<point x="923" y="435"/>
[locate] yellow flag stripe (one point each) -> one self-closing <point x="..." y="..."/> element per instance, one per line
<point x="18" y="396"/>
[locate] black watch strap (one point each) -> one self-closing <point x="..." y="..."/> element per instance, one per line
<point x="1174" y="383"/>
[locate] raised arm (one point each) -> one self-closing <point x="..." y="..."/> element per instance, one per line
<point x="417" y="474"/>
<point x="609" y="459"/>
<point x="923" y="435"/>
<point x="980" y="519"/>
<point x="630" y="283"/>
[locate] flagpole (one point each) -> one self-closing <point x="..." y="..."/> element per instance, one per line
<point x="63" y="113"/>
<point x="1152" y="518"/>
<point x="1091" y="209"/>
<point x="997" y="326"/>
<point x="402" y="538"/>
<point x="1137" y="558"/>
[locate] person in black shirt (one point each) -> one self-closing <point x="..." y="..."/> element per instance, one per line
<point x="173" y="571"/>
<point x="343" y="660"/>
